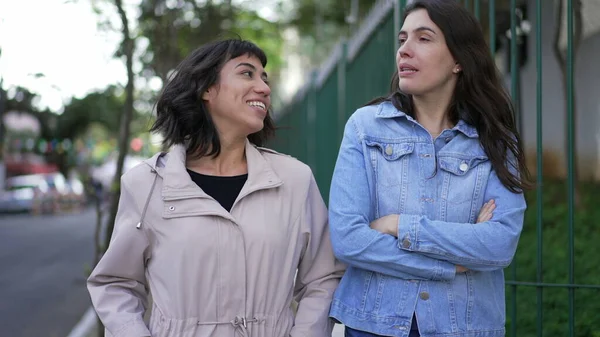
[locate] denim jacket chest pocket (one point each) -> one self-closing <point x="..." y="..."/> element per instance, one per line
<point x="389" y="161"/>
<point x="463" y="178"/>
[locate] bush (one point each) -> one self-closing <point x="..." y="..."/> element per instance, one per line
<point x="555" y="259"/>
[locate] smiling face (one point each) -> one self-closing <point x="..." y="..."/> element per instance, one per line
<point x="239" y="101"/>
<point x="425" y="64"/>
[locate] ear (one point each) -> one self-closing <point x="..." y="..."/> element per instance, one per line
<point x="457" y="68"/>
<point x="207" y="94"/>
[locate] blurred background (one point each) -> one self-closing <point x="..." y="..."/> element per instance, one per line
<point x="78" y="80"/>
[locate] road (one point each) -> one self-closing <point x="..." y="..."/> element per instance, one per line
<point x="42" y="272"/>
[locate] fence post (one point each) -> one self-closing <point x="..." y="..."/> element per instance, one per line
<point x="341" y="87"/>
<point x="311" y="117"/>
<point x="398" y="13"/>
<point x="540" y="166"/>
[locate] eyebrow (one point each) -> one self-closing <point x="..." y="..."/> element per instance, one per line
<point x="419" y="29"/>
<point x="264" y="74"/>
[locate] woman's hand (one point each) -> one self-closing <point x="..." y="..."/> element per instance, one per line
<point x="387" y="224"/>
<point x="485" y="214"/>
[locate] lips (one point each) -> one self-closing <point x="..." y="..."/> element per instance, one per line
<point x="405" y="68"/>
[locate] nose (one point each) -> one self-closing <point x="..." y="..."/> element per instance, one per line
<point x="405" y="50"/>
<point x="262" y="88"/>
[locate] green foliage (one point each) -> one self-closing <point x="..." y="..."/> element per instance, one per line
<point x="321" y="24"/>
<point x="266" y="34"/>
<point x="20" y="99"/>
<point x="102" y="107"/>
<point x="173" y="32"/>
<point x="309" y="14"/>
<point x="555" y="258"/>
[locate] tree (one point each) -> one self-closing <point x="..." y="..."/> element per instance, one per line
<point x="174" y="30"/>
<point x="321" y="23"/>
<point x="23" y="100"/>
<point x="128" y="47"/>
<point x="100" y="107"/>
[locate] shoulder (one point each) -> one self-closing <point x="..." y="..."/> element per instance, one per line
<point x="142" y="172"/>
<point x="288" y="168"/>
<point x="369" y="112"/>
<point x="380" y="121"/>
<point x="375" y="114"/>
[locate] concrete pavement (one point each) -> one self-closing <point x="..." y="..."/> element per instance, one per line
<point x="42" y="278"/>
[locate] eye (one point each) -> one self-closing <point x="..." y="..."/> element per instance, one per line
<point x="401" y="40"/>
<point x="424" y="39"/>
<point x="248" y="73"/>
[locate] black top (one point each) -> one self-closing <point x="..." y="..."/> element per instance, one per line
<point x="223" y="189"/>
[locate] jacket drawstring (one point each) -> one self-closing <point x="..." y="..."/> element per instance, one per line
<point x="139" y="224"/>
<point x="239" y="323"/>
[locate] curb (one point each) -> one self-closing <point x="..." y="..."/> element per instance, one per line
<point x="85" y="324"/>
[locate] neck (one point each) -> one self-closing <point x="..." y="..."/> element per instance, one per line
<point x="432" y="112"/>
<point x="231" y="161"/>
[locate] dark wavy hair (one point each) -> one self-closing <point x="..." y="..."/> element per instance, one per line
<point x="479" y="96"/>
<point x="181" y="115"/>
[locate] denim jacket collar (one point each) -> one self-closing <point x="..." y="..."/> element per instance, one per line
<point x="388" y="110"/>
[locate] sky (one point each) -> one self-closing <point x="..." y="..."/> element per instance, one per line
<point x="61" y="40"/>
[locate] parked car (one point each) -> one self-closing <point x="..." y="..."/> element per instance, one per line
<point x="26" y="193"/>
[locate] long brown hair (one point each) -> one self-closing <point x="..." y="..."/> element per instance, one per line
<point x="479" y="97"/>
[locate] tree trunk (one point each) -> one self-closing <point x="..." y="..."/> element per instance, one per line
<point x="115" y="190"/>
<point x="98" y="246"/>
<point x="128" y="47"/>
<point x="562" y="61"/>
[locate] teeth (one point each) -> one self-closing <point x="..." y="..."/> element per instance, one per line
<point x="258" y="104"/>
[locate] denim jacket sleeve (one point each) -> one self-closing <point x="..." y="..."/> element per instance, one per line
<point x="481" y="246"/>
<point x="351" y="208"/>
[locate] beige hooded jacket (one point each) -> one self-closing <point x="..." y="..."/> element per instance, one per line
<point x="215" y="273"/>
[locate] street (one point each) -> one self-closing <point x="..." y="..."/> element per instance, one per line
<point x="42" y="280"/>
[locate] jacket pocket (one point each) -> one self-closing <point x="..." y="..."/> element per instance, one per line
<point x="463" y="178"/>
<point x="390" y="161"/>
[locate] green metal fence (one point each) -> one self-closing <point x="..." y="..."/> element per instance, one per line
<point x="359" y="70"/>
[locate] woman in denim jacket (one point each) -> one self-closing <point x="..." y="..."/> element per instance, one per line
<point x="426" y="203"/>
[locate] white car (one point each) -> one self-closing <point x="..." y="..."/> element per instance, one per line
<point x="25" y="193"/>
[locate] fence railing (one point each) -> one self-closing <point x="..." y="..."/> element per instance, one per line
<point x="360" y="68"/>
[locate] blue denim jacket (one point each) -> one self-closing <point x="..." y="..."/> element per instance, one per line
<point x="388" y="163"/>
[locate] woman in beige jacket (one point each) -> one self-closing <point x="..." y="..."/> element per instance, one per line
<point x="224" y="234"/>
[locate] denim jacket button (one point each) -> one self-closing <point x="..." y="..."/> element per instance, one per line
<point x="389" y="150"/>
<point x="424" y="295"/>
<point x="405" y="243"/>
<point x="463" y="167"/>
